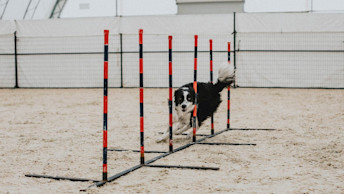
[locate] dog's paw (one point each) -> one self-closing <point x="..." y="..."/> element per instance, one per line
<point x="178" y="132"/>
<point x="160" y="140"/>
<point x="189" y="135"/>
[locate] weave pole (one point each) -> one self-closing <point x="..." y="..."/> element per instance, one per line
<point x="170" y="91"/>
<point x="195" y="88"/>
<point x="229" y="90"/>
<point x="142" y="149"/>
<point x="211" y="81"/>
<point x="106" y="63"/>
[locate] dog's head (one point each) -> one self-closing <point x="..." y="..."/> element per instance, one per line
<point x="184" y="99"/>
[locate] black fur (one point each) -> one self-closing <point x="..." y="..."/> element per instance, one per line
<point x="208" y="98"/>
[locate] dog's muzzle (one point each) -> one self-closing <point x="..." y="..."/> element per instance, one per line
<point x="183" y="107"/>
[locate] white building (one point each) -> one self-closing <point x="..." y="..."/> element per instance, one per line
<point x="209" y="7"/>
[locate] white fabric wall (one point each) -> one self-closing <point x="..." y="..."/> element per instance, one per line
<point x="290" y="22"/>
<point x="67" y="27"/>
<point x="282" y="34"/>
<point x="69" y="52"/>
<point x="7" y="68"/>
<point x="86" y="35"/>
<point x="277" y="6"/>
<point x="178" y="24"/>
<point x="156" y="64"/>
<point x="155" y="38"/>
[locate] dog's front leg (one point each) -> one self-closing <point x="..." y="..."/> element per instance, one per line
<point x="183" y="128"/>
<point x="176" y="126"/>
<point x="164" y="136"/>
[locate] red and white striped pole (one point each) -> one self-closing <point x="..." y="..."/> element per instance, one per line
<point x="142" y="150"/>
<point x="105" y="101"/>
<point x="195" y="89"/>
<point x="170" y="104"/>
<point x="229" y="90"/>
<point x="211" y="81"/>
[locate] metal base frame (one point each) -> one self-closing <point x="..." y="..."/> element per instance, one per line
<point x="61" y="178"/>
<point x="182" y="167"/>
<point x="146" y="151"/>
<point x="98" y="183"/>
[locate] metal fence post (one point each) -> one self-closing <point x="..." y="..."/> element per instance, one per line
<point x="234" y="44"/>
<point x="121" y="57"/>
<point x="16" y="60"/>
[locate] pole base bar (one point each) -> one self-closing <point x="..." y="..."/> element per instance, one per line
<point x="187" y="134"/>
<point x="116" y="176"/>
<point x="251" y="129"/>
<point x="61" y="178"/>
<point x="234" y="129"/>
<point x="182" y="167"/>
<point x="220" y="143"/>
<point x="146" y="151"/>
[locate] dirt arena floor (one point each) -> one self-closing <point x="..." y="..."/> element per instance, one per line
<point x="58" y="132"/>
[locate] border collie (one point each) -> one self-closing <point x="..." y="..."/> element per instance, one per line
<point x="208" y="100"/>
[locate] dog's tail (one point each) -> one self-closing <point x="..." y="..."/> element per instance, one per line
<point x="226" y="76"/>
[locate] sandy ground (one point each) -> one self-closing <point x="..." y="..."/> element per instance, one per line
<point x="58" y="132"/>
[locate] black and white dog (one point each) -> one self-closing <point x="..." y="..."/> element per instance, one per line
<point x="208" y="100"/>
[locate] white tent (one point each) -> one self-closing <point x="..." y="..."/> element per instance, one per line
<point x="26" y="9"/>
<point x="89" y="8"/>
<point x="43" y="9"/>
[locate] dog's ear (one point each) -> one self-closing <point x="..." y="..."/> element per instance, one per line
<point x="177" y="93"/>
<point x="173" y="101"/>
<point x="192" y="95"/>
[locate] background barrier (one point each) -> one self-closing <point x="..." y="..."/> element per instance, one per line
<point x="300" y="50"/>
